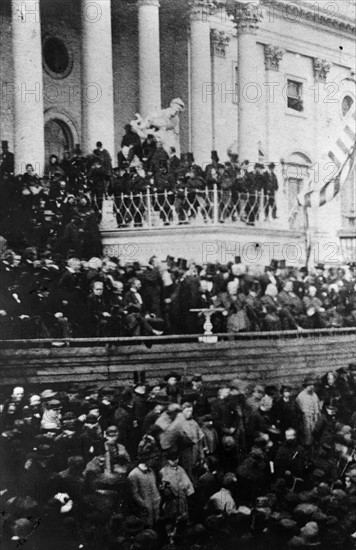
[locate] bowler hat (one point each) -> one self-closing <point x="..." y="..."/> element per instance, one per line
<point x="4" y="143"/>
<point x="308" y="381"/>
<point x="172" y="375"/>
<point x="46" y="395"/>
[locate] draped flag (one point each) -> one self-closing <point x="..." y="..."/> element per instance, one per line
<point x="342" y="157"/>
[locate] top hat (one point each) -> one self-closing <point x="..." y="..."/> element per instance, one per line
<point x="215" y="156"/>
<point x="139" y="377"/>
<point x="190" y="158"/>
<point x="210" y="270"/>
<point x="273" y="264"/>
<point x="4" y="143"/>
<point x="182" y="263"/>
<point x="170" y="260"/>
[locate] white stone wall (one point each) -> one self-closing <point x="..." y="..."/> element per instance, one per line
<point x="62" y="96"/>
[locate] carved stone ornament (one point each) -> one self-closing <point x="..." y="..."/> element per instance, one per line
<point x="321" y="69"/>
<point x="219" y="41"/>
<point x="273" y="56"/>
<point x="148" y="3"/>
<point x="201" y="10"/>
<point x="247" y="15"/>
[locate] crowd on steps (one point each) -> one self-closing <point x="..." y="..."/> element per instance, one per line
<point x="46" y="295"/>
<point x="170" y="464"/>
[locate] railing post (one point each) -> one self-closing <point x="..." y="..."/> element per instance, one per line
<point x="215" y="205"/>
<point x="261" y="215"/>
<point x="149" y="211"/>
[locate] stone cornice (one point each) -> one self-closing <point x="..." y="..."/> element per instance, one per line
<point x="295" y="11"/>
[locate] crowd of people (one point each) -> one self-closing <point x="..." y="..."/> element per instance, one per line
<point x="48" y="296"/>
<point x="62" y="209"/>
<point x="174" y="464"/>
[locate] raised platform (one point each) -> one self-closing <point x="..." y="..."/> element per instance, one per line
<point x="265" y="357"/>
<point x="209" y="243"/>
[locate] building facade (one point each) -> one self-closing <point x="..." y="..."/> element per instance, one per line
<point x="273" y="79"/>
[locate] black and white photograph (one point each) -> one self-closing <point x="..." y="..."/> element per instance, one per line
<point x="178" y="274"/>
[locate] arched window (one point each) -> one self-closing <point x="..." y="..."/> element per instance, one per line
<point x="346" y="105"/>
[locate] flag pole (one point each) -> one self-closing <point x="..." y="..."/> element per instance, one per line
<point x="307" y="242"/>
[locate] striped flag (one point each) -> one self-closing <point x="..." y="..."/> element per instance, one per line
<point x="342" y="158"/>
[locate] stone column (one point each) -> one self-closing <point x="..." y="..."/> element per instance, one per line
<point x="97" y="76"/>
<point x="28" y="86"/>
<point x="202" y="87"/>
<point x="321" y="217"/>
<point x="219" y="44"/>
<point x="247" y="17"/>
<point x="149" y="56"/>
<point x="275" y="105"/>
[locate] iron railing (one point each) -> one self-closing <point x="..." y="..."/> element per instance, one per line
<point x="192" y="207"/>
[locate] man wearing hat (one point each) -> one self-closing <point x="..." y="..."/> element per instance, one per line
<point x="291" y="456"/>
<point x="187" y="430"/>
<point x="270" y="187"/>
<point x="176" y="486"/>
<point x="201" y="401"/>
<point x="143" y="488"/>
<point x="7" y="160"/>
<point x="173" y="390"/>
<point x="52" y="414"/>
<point x="256" y="182"/>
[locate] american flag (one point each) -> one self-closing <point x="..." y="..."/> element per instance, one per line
<point x="342" y="157"/>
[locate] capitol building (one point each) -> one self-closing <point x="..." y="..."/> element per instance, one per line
<point x="273" y="80"/>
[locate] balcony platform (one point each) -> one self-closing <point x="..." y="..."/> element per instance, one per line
<point x="208" y="243"/>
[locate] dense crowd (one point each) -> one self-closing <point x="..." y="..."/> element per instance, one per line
<point x="61" y="210"/>
<point x="46" y="296"/>
<point x="172" y="464"/>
